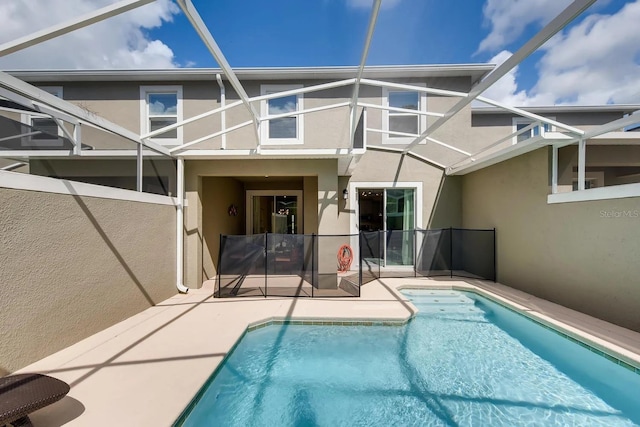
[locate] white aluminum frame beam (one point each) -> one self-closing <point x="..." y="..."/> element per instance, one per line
<point x="411" y="135"/>
<point x="66" y="111"/>
<point x="402" y="86"/>
<point x="223" y="113"/>
<point x="221" y="109"/>
<point x="612" y="126"/>
<point x="305" y="89"/>
<point x="41" y="110"/>
<point x="400" y="110"/>
<point x="9" y="138"/>
<point x="400" y="151"/>
<point x="582" y="161"/>
<point x="554" y="170"/>
<point x="363" y="60"/>
<point x="553" y="27"/>
<point x="29" y="112"/>
<point x="201" y="28"/>
<point x="71" y="25"/>
<point x="472" y="157"/>
<point x="306" y="111"/>
<point x="211" y="136"/>
<point x="191" y="120"/>
<point x="13" y="166"/>
<point x="531" y="116"/>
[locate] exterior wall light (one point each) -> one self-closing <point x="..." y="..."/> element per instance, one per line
<point x="345" y="194"/>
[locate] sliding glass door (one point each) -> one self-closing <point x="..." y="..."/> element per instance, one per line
<point x="279" y="213"/>
<point x="391" y="210"/>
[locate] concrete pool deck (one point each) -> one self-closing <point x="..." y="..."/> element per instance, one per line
<point x="145" y="370"/>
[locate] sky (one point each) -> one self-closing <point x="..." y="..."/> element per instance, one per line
<point x="595" y="60"/>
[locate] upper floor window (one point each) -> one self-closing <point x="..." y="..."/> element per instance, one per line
<point x="521" y="123"/>
<point x="161" y="106"/>
<point x="49" y="131"/>
<point x="282" y="130"/>
<point x="400" y="123"/>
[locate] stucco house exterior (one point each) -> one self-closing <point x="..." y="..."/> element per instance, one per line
<point x="312" y="165"/>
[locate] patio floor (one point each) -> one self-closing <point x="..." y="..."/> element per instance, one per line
<point x="145" y="370"/>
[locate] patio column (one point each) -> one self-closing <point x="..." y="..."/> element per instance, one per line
<point x="327" y="225"/>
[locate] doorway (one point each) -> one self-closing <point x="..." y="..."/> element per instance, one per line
<point x="274" y="211"/>
<point x="388" y="217"/>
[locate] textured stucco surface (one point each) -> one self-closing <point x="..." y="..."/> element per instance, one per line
<point x="582" y="255"/>
<point x="71" y="266"/>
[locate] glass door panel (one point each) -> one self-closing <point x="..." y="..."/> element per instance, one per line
<point x="286" y="215"/>
<point x="371" y="223"/>
<point x="263" y="207"/>
<point x="400" y="221"/>
<point x="275" y="214"/>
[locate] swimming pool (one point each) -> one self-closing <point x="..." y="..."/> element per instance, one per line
<point x="463" y="360"/>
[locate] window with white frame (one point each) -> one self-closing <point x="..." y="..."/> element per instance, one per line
<point x="281" y="130"/>
<point x="161" y="106"/>
<point x="520" y="123"/>
<point x="399" y="122"/>
<point x="49" y="131"/>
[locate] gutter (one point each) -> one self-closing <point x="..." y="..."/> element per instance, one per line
<point x="223" y="115"/>
<point x="180" y="230"/>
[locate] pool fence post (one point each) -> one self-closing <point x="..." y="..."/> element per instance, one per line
<point x="359" y="261"/>
<point x="415" y="253"/>
<point x="313" y="262"/>
<point x="216" y="289"/>
<point x="266" y="241"/>
<point x="451" y="251"/>
<point x="495" y="258"/>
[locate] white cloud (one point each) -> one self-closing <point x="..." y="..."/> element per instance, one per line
<point x="368" y="4"/>
<point x="506" y="89"/>
<point x="594" y="62"/>
<point x="508" y="19"/>
<point x="118" y="42"/>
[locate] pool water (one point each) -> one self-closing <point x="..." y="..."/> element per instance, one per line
<point x="463" y="361"/>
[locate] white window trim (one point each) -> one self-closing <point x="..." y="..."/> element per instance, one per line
<point x="389" y="138"/>
<point x="264" y="111"/>
<point x="526" y="121"/>
<point x="27" y="118"/>
<point x="144" y="109"/>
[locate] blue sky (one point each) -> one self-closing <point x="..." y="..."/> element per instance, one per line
<point x="596" y="60"/>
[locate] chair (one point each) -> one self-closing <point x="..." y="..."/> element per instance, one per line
<point x="23" y="394"/>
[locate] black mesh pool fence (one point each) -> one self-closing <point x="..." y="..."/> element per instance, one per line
<point x="303" y="265"/>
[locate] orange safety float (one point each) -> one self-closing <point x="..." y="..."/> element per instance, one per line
<point x="345" y="258"/>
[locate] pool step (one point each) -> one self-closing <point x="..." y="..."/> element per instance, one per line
<point x="443" y="301"/>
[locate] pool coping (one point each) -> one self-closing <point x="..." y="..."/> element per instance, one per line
<point x="608" y="350"/>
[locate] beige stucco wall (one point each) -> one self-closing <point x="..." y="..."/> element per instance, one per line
<point x="120" y="102"/>
<point x="440" y="194"/>
<point x="582" y="255"/>
<point x="488" y="128"/>
<point x="71" y="266"/>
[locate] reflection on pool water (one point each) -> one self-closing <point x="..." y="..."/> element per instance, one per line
<point x="462" y="361"/>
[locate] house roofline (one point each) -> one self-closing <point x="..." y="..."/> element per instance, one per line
<point x="476" y="71"/>
<point x="623" y="108"/>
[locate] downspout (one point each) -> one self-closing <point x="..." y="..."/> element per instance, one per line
<point x="223" y="115"/>
<point x="180" y="229"/>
